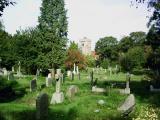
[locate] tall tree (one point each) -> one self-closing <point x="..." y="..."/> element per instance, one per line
<point x="53" y="33"/>
<point x="106" y="48"/>
<point x="5" y="3"/>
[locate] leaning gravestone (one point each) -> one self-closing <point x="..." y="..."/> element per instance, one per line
<point x="128" y="104"/>
<point x="10" y="76"/>
<point x="72" y="90"/>
<point x="42" y="104"/>
<point x="33" y="85"/>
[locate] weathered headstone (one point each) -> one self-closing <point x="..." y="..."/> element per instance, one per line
<point x="52" y="71"/>
<point x="74" y="70"/>
<point x="58" y="96"/>
<point x="128" y="78"/>
<point x="98" y="90"/>
<point x="77" y="70"/>
<point x="5" y="72"/>
<point x="19" y="74"/>
<point x="128" y="104"/>
<point x="69" y="73"/>
<point x="72" y="90"/>
<point x="49" y="82"/>
<point x="42" y="104"/>
<point x="33" y="85"/>
<point x="11" y="76"/>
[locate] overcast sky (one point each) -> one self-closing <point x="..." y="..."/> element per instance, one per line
<point x="87" y="18"/>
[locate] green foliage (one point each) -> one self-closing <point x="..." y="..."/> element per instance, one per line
<point x="105" y="63"/>
<point x="53" y="32"/>
<point x="134" y="58"/>
<point x="91" y="62"/>
<point x="4" y="4"/>
<point x="73" y="46"/>
<point x="106" y="48"/>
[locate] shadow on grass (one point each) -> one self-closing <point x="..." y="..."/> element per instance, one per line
<point x="140" y="89"/>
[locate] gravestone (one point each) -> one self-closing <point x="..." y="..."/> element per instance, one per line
<point x="128" y="104"/>
<point x="91" y="78"/>
<point x="42" y="104"/>
<point x="74" y="70"/>
<point x="128" y="78"/>
<point x="98" y="90"/>
<point x="72" y="76"/>
<point x="72" y="90"/>
<point x="33" y="85"/>
<point x="13" y="69"/>
<point x="52" y="71"/>
<point x="77" y="69"/>
<point x="58" y="96"/>
<point x="11" y="76"/>
<point x="69" y="73"/>
<point x="19" y="74"/>
<point x="79" y="76"/>
<point x="5" y="72"/>
<point x="49" y="82"/>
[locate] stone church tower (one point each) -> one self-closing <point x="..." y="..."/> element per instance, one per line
<point x="85" y="46"/>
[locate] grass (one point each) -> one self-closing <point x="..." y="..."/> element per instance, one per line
<point x="84" y="104"/>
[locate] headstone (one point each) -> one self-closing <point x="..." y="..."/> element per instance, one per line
<point x="19" y="74"/>
<point x="79" y="76"/>
<point x="49" y="82"/>
<point x="77" y="69"/>
<point x="69" y="73"/>
<point x="128" y="103"/>
<point x="33" y="85"/>
<point x="72" y="90"/>
<point x="52" y="71"/>
<point x="10" y="76"/>
<point x="42" y="104"/>
<point x="74" y="70"/>
<point x="5" y="72"/>
<point x="91" y="78"/>
<point x="72" y="76"/>
<point x="152" y="89"/>
<point x="58" y="96"/>
<point x="13" y="69"/>
<point x="127" y="89"/>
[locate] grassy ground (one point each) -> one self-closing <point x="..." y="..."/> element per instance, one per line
<point x="84" y="104"/>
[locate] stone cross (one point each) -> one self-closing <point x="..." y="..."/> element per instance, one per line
<point x="42" y="104"/>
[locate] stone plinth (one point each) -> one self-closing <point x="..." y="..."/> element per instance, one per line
<point x="57" y="98"/>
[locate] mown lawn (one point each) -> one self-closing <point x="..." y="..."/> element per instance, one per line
<point x="84" y="104"/>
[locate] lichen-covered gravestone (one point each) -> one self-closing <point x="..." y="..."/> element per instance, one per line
<point x="72" y="90"/>
<point x="42" y="104"/>
<point x="33" y="85"/>
<point x="49" y="80"/>
<point x="128" y="104"/>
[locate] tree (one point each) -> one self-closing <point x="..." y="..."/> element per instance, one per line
<point x="106" y="48"/>
<point x="134" y="58"/>
<point x="5" y="3"/>
<point x="125" y="43"/>
<point x="139" y="38"/>
<point x="73" y="46"/>
<point x="53" y="34"/>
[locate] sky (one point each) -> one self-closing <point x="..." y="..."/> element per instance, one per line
<point x="86" y="18"/>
